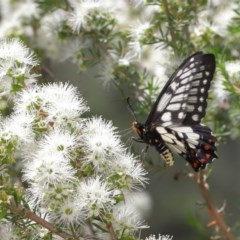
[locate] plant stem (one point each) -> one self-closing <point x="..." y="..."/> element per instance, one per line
<point x="112" y="232"/>
<point x="90" y="231"/>
<point x="168" y="14"/>
<point x="20" y="211"/>
<point x="213" y="211"/>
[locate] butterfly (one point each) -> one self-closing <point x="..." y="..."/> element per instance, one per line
<point x="174" y="123"/>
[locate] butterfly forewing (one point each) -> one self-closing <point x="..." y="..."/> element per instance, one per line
<point x="183" y="99"/>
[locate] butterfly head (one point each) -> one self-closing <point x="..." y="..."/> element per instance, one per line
<point x="138" y="128"/>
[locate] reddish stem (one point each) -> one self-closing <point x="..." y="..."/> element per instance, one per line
<point x="212" y="210"/>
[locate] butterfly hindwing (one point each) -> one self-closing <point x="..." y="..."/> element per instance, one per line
<point x="195" y="144"/>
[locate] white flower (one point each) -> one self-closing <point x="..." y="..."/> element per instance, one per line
<point x="105" y="71"/>
<point x="103" y="149"/>
<point x="95" y="196"/>
<point x="68" y="212"/>
<point x="226" y="11"/>
<point x="48" y="34"/>
<point x="99" y="126"/>
<point x="151" y="88"/>
<point x="16" y="61"/>
<point x="52" y="23"/>
<point x="133" y="175"/>
<point x="160" y="237"/>
<point x="126" y="60"/>
<point x="64" y="101"/>
<point x="210" y="19"/>
<point x="59" y="142"/>
<point x="84" y="11"/>
<point x="19" y="125"/>
<point x="160" y="61"/>
<point x="125" y="217"/>
<point x="46" y="168"/>
<point x="14" y="51"/>
<point x="15" y="16"/>
<point x="137" y="34"/>
<point x="71" y="49"/>
<point x="51" y="105"/>
<point x="100" y="143"/>
<point x="233" y="69"/>
<point x="43" y="195"/>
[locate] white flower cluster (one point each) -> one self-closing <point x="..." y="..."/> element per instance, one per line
<point x="106" y="18"/>
<point x="76" y="168"/>
<point x="16" y="63"/>
<point x="210" y="20"/>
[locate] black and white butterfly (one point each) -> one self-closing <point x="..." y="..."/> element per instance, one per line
<point x="174" y="123"/>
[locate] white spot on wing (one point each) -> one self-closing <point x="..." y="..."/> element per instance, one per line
<point x="181" y="115"/>
<point x="185" y="74"/>
<point x="166" y="116"/>
<point x="179" y="146"/>
<point x="192" y="141"/>
<point x="194" y="91"/>
<point x="179" y="98"/>
<point x="185" y="81"/>
<point x="182" y="89"/>
<point x="166" y="124"/>
<point x="163" y="102"/>
<point x="179" y="73"/>
<point x="205" y="81"/>
<point x="200" y="108"/>
<point x="195" y="83"/>
<point x="195" y="117"/>
<point x="192" y="99"/>
<point x="193" y="135"/>
<point x="161" y="130"/>
<point x="168" y="138"/>
<point x="183" y="129"/>
<point x="174" y="86"/>
<point x="198" y="75"/>
<point x="202" y="68"/>
<point x="180" y="134"/>
<point x="190" y="108"/>
<point x="173" y="106"/>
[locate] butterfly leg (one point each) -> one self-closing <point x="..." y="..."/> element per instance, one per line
<point x="144" y="152"/>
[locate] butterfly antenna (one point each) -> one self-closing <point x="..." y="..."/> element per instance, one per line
<point x="130" y="108"/>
